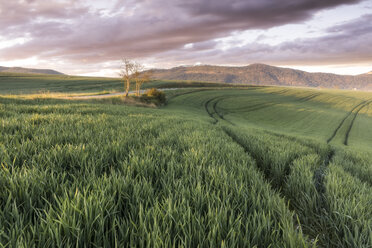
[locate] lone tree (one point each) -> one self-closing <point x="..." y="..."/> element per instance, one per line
<point x="133" y="71"/>
<point x="126" y="72"/>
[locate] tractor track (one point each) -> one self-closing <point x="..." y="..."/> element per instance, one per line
<point x="220" y="98"/>
<point x="307" y="98"/>
<point x="186" y="93"/>
<point x="254" y="107"/>
<point x="352" y="122"/>
<point x="279" y="92"/>
<point x="318" y="180"/>
<point x="343" y="120"/>
<point x="218" y="113"/>
<point x="322" y="208"/>
<point x="206" y="104"/>
<point x="241" y="109"/>
<point x="294" y="139"/>
<point x="316" y="229"/>
<point x="214" y="107"/>
<point x="319" y="177"/>
<point x="263" y="105"/>
<point x="259" y="163"/>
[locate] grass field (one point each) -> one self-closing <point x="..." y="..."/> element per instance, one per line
<point x="215" y="167"/>
<point x="15" y="83"/>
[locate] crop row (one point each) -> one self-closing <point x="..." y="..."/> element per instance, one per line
<point x="333" y="205"/>
<point x="73" y="176"/>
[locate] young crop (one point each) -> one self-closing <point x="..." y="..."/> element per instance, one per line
<point x="215" y="167"/>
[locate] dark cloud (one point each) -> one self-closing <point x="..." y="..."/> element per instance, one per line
<point x="263" y="13"/>
<point x="71" y="30"/>
<point x="346" y="43"/>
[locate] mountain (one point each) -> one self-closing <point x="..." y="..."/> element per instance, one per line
<point x="29" y="70"/>
<point x="261" y="74"/>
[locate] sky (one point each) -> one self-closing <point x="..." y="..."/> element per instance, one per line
<point x="80" y="37"/>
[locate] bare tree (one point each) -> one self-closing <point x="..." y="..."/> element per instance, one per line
<point x="133" y="71"/>
<point x="127" y="72"/>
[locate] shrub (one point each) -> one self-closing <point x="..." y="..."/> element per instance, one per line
<point x="154" y="96"/>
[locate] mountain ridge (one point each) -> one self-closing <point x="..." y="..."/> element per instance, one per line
<point x="262" y="74"/>
<point x="29" y="70"/>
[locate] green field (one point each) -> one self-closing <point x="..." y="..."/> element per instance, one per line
<point x="15" y="83"/>
<point x="215" y="167"/>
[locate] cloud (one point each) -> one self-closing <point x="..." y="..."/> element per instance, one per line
<point x="73" y="31"/>
<point x="345" y="43"/>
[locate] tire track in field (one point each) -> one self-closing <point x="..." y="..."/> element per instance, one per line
<point x="219" y="114"/>
<point x="308" y="98"/>
<point x="319" y="183"/>
<point x="186" y="93"/>
<point x="320" y="173"/>
<point x="206" y="104"/>
<point x="294" y="139"/>
<point x="243" y="109"/>
<point x="259" y="107"/>
<point x="322" y="208"/>
<point x="250" y="108"/>
<point x="280" y="92"/>
<point x="260" y="167"/>
<point x="352" y="122"/>
<point x="258" y="159"/>
<point x="214" y="107"/>
<point x="220" y="98"/>
<point x="343" y="120"/>
<point x="199" y="90"/>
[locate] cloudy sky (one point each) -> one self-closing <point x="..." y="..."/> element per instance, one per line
<point x="91" y="37"/>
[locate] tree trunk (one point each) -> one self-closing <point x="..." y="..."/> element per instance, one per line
<point x="127" y="87"/>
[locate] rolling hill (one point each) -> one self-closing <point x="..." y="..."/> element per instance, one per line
<point x="261" y="74"/>
<point x="29" y="70"/>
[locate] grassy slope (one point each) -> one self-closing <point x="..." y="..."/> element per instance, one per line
<point x="233" y="167"/>
<point x="309" y="113"/>
<point x="293" y="154"/>
<point x="14" y="83"/>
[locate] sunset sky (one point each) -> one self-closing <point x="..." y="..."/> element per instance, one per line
<point x="90" y="37"/>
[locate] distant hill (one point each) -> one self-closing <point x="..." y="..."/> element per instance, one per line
<point x="29" y="70"/>
<point x="261" y="74"/>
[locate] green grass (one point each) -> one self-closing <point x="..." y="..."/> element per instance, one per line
<point x="16" y="83"/>
<point x="215" y="167"/>
<point x="301" y="112"/>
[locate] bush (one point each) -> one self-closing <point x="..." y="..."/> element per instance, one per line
<point x="154" y="96"/>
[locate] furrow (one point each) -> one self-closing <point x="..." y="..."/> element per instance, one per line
<point x="206" y="104"/>
<point x="343" y="120"/>
<point x="219" y="114"/>
<point x="352" y="123"/>
<point x="186" y="93"/>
